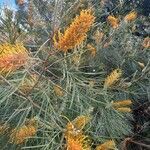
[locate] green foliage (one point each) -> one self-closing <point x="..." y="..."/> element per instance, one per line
<point x="82" y="89"/>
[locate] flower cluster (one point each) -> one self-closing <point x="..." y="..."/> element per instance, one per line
<point x="58" y="90"/>
<point x="19" y="135"/>
<point x="112" y="78"/>
<point x="114" y="22"/>
<point x="75" y="138"/>
<point x="131" y="16"/>
<point x="121" y="105"/>
<point x="12" y="57"/>
<point x="75" y="34"/>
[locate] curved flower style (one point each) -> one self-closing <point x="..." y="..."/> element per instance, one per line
<point x="76" y="32"/>
<point x="12" y="57"/>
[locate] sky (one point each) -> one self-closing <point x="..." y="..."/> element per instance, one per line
<point x="10" y="3"/>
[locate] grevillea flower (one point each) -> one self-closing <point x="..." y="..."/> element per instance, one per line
<point x="79" y="142"/>
<point x="113" y="77"/>
<point x="122" y="103"/>
<point x="108" y="145"/>
<point x="123" y="109"/>
<point x="58" y="90"/>
<point x="75" y="139"/>
<point x="81" y="121"/>
<point x="12" y="57"/>
<point x="76" y="33"/>
<point x="77" y="124"/>
<point x="19" y="135"/>
<point x="114" y="22"/>
<point x="131" y="16"/>
<point x="92" y="50"/>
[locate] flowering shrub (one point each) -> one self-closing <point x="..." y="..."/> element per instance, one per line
<point x="69" y="80"/>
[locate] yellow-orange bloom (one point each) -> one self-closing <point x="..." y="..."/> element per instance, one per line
<point x="74" y="136"/>
<point x="79" y="142"/>
<point x="92" y="50"/>
<point x="108" y="145"/>
<point x="12" y="57"/>
<point x="123" y="109"/>
<point x="113" y="77"/>
<point x="77" y="124"/>
<point x="19" y="135"/>
<point x="81" y="121"/>
<point x="131" y="16"/>
<point x="114" y="22"/>
<point x="58" y="90"/>
<point x="146" y="42"/>
<point x="122" y="103"/>
<point x="76" y="33"/>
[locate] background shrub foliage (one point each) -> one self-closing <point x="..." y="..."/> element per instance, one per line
<point x="72" y="77"/>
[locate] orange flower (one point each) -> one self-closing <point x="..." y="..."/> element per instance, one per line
<point x="124" y="109"/>
<point x="113" y="77"/>
<point x="77" y="124"/>
<point x="76" y="32"/>
<point x="19" y="135"/>
<point x="58" y="90"/>
<point x="108" y="145"/>
<point x="81" y="121"/>
<point x="92" y="50"/>
<point x="114" y="22"/>
<point x="122" y="103"/>
<point x="74" y="136"/>
<point x="131" y="16"/>
<point x="12" y="57"/>
<point x="79" y="142"/>
<point x="146" y="42"/>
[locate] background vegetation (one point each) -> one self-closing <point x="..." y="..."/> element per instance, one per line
<point x="75" y="84"/>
